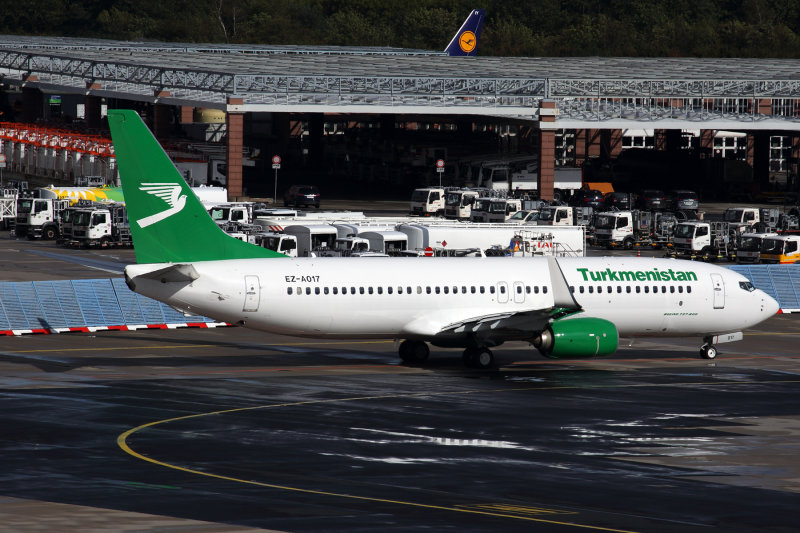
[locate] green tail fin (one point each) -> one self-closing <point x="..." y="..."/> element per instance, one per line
<point x="168" y="222"/>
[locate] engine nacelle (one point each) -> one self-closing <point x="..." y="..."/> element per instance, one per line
<point x="578" y="338"/>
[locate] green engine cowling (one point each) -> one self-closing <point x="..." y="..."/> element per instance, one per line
<point x="576" y="338"/>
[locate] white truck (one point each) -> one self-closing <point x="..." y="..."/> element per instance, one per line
<point x="742" y="218"/>
<point x="748" y="246"/>
<point x="571" y="239"/>
<point x="704" y="240"/>
<point x="387" y="242"/>
<point x="781" y="249"/>
<point x="39" y="217"/>
<point x="278" y="242"/>
<point x="313" y="239"/>
<point x="241" y="212"/>
<point x="458" y="203"/>
<point x="494" y="209"/>
<point x="562" y="215"/>
<point x="626" y="229"/>
<point x="8" y="208"/>
<point x="501" y="177"/>
<point x="101" y="225"/>
<point x="428" y="201"/>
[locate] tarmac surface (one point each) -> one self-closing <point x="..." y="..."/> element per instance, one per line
<point x="228" y="429"/>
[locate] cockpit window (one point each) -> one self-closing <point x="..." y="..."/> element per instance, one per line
<point x="746" y="285"/>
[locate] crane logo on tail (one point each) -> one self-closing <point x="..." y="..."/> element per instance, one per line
<point x="467" y="42"/>
<point x="170" y="193"/>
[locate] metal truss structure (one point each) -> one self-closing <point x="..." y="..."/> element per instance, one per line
<point x="586" y="90"/>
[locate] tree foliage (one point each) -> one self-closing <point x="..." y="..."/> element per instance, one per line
<point x="691" y="28"/>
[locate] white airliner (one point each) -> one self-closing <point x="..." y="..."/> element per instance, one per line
<point x="566" y="307"/>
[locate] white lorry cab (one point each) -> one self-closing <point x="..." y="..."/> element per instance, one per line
<point x="494" y="209"/>
<point x="39" y="217"/>
<point x="387" y="242"/>
<point x="313" y="239"/>
<point x="241" y="212"/>
<point x="428" y="201"/>
<point x="458" y="203"/>
<point x="748" y="246"/>
<point x="278" y="242"/>
<point x="562" y="215"/>
<point x="781" y="249"/>
<point x="706" y="240"/>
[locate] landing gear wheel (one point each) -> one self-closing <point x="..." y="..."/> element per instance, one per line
<point x="484" y="358"/>
<point x="708" y="351"/>
<point x="468" y="357"/>
<point x="414" y="351"/>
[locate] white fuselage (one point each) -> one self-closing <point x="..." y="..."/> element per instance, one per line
<point x="418" y="297"/>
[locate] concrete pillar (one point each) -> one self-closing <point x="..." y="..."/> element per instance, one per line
<point x="235" y="142"/>
<point x="32" y="102"/>
<point x="92" y="106"/>
<point x="547" y="150"/>
<point x="760" y="158"/>
<point x="187" y="114"/>
<point x="316" y="146"/>
<point x="162" y="116"/>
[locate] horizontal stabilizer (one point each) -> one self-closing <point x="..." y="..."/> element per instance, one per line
<point x="180" y="273"/>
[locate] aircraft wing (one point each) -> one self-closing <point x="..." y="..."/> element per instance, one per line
<point x="504" y="325"/>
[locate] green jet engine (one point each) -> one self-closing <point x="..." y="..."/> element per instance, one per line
<point x="576" y="338"/>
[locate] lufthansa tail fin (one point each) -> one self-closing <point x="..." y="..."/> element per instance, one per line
<point x="168" y="222"/>
<point x="465" y="42"/>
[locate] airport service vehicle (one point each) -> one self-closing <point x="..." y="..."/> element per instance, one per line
<point x="386" y="242"/>
<point x="8" y="208"/>
<point x="278" y="242"/>
<point x="705" y="240"/>
<point x="100" y="225"/>
<point x="626" y="229"/>
<point x="563" y="306"/>
<point x="428" y="201"/>
<point x="313" y="238"/>
<point x="781" y="249"/>
<point x="498" y="176"/>
<point x="748" y="246"/>
<point x="241" y="212"/>
<point x="494" y="209"/>
<point x="39" y="217"/>
<point x="561" y="215"/>
<point x="569" y="240"/>
<point x="524" y="216"/>
<point x="532" y="242"/>
<point x="742" y="218"/>
<point x="458" y="203"/>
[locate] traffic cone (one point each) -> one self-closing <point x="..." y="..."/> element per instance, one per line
<point x="638" y="252"/>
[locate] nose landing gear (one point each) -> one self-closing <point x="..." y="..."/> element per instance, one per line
<point x="708" y="351"/>
<point x="480" y="357"/>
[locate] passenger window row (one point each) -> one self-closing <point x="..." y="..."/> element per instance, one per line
<point x="455" y="289"/>
<point x="638" y="289"/>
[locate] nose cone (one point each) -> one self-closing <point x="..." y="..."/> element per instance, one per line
<point x="769" y="304"/>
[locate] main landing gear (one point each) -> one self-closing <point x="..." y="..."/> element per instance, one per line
<point x="416" y="352"/>
<point x="480" y="357"/>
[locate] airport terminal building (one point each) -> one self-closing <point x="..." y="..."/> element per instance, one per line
<point x="383" y="117"/>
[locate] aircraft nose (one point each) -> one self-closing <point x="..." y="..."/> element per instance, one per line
<point x="769" y="304"/>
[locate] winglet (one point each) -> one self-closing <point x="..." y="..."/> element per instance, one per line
<point x="168" y="222"/>
<point x="465" y="41"/>
<point x="562" y="296"/>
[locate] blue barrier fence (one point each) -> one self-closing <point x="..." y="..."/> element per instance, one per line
<point x="782" y="282"/>
<point x="81" y="303"/>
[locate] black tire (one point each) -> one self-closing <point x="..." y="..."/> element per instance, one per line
<point x="49" y="233"/>
<point x="484" y="358"/>
<point x="708" y="352"/>
<point x="627" y="243"/>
